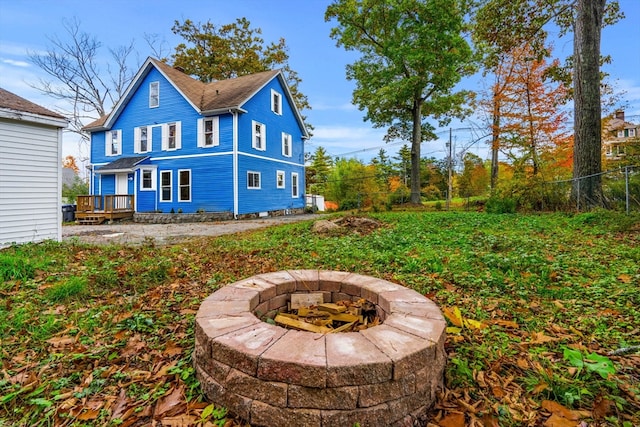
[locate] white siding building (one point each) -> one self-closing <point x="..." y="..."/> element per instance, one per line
<point x="30" y="171"/>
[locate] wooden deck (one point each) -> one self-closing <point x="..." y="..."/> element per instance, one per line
<point x="98" y="209"/>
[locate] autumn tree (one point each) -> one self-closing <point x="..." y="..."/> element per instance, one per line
<point x="532" y="120"/>
<point x="212" y="52"/>
<point x="474" y="179"/>
<point x="413" y="55"/>
<point x="352" y="184"/>
<point x="70" y="163"/>
<point x="502" y="30"/>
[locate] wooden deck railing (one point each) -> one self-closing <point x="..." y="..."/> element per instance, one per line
<point x="106" y="204"/>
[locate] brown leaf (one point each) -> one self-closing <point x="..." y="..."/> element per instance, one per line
<point x="557" y="409"/>
<point x="452" y="420"/>
<point x="61" y="341"/>
<point x="172" y="349"/>
<point x="490" y="420"/>
<point x="90" y="414"/>
<point x="625" y="278"/>
<point x="558" y="421"/>
<point x="170" y="404"/>
<point x="120" y="406"/>
<point x="179" y="421"/>
<point x="601" y="407"/>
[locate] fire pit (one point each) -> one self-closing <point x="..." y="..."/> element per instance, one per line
<point x="272" y="376"/>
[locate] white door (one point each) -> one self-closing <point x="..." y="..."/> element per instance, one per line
<point x="122" y="189"/>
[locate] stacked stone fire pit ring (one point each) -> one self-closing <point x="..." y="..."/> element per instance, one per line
<point x="386" y="375"/>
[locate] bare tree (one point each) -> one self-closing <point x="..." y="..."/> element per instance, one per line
<point x="73" y="65"/>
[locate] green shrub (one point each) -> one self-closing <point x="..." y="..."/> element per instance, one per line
<point x="500" y="205"/>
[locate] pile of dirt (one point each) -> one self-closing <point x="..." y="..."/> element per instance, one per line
<point x="347" y="224"/>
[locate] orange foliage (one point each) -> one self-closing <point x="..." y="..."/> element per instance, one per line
<point x="70" y="162"/>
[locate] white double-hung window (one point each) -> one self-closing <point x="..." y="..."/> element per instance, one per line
<point x="208" y="132"/>
<point x="253" y="180"/>
<point x="113" y="142"/>
<point x="259" y="140"/>
<point x="154" y="94"/>
<point x="286" y="144"/>
<point x="276" y="102"/>
<point x="142" y="139"/>
<point x="171" y="136"/>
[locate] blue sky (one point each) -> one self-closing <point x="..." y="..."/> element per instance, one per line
<point x="339" y="127"/>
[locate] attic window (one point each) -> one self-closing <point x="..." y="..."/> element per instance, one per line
<point x="276" y="102"/>
<point x="154" y="94"/>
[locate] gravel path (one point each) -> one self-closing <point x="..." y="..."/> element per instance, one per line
<point x="131" y="232"/>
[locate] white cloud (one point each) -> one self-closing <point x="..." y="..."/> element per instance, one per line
<point x="15" y="63"/>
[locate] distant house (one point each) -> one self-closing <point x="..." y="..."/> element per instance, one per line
<point x="30" y="171"/>
<point x="618" y="134"/>
<point x="175" y="144"/>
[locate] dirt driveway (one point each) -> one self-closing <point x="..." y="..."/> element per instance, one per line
<point x="132" y="233"/>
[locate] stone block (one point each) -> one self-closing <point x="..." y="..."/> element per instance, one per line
<point x="323" y="398"/>
<point x="354" y="360"/>
<point x="233" y="293"/>
<point x="271" y="416"/>
<point x="331" y="281"/>
<point x="306" y="280"/>
<point x="208" y="328"/>
<point x="266" y="289"/>
<point x="408" y="352"/>
<point x="272" y="393"/>
<point x="241" y="349"/>
<point x="279" y="302"/>
<point x="375" y="416"/>
<point x="429" y="329"/>
<point x="371" y="289"/>
<point x="296" y="358"/>
<point x="218" y="394"/>
<point x="375" y="394"/>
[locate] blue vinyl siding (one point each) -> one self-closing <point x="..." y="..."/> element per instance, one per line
<point x="211" y="184"/>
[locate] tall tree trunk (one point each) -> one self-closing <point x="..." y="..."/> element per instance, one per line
<point x="495" y="140"/>
<point x="415" y="150"/>
<point x="587" y="154"/>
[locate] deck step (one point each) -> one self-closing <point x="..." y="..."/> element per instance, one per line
<point x="91" y="220"/>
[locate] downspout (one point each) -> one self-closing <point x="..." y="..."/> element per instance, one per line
<point x="235" y="163"/>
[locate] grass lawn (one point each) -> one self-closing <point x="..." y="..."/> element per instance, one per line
<point x="544" y="316"/>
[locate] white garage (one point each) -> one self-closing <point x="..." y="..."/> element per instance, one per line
<point x="30" y="171"/>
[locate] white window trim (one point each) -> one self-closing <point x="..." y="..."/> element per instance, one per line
<point x="154" y="103"/>
<point x="165" y="136"/>
<point x="108" y="142"/>
<point x="620" y="133"/>
<point x="180" y="199"/>
<point x="170" y="172"/>
<point x="137" y="139"/>
<point x="263" y="134"/>
<point x="259" y="180"/>
<point x="295" y="185"/>
<point x="279" y="104"/>
<point x="283" y="175"/>
<point x="154" y="178"/>
<point x="286" y="141"/>
<point x="216" y="132"/>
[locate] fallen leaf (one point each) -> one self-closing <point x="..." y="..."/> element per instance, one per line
<point x="506" y="323"/>
<point x="625" y="278"/>
<point x="61" y="341"/>
<point x="90" y="414"/>
<point x="540" y="338"/>
<point x="452" y="420"/>
<point x="490" y="420"/>
<point x="179" y="421"/>
<point x="558" y="421"/>
<point x="601" y="407"/>
<point x="172" y="349"/>
<point x="559" y="410"/>
<point x="170" y="403"/>
<point x="454" y="315"/>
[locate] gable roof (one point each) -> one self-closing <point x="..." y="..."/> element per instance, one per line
<point x="13" y="102"/>
<point x="206" y="98"/>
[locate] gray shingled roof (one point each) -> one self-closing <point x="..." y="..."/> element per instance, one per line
<point x="14" y="102"/>
<point x="122" y="164"/>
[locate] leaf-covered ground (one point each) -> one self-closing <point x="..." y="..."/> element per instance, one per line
<point x="543" y="311"/>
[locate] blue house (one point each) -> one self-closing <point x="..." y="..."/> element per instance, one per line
<point x="175" y="144"/>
